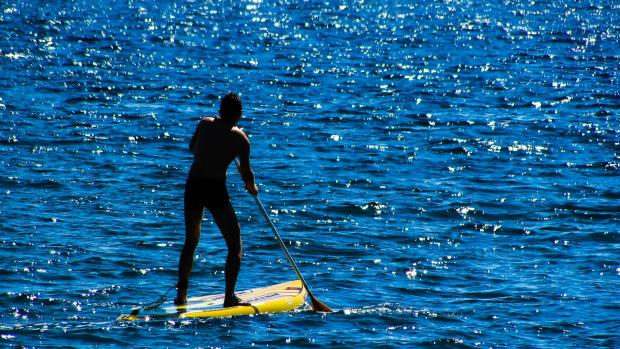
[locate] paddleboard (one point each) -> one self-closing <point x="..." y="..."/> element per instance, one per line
<point x="271" y="299"/>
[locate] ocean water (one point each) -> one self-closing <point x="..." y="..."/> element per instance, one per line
<point x="445" y="173"/>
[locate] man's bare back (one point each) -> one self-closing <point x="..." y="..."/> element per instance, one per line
<point x="215" y="144"/>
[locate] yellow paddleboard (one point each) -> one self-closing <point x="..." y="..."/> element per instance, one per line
<point x="271" y="299"/>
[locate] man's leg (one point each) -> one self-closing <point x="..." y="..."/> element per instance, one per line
<point x="193" y="218"/>
<point x="226" y="220"/>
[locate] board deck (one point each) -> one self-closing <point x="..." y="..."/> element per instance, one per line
<point x="271" y="299"/>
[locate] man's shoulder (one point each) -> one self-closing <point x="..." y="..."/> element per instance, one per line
<point x="204" y="123"/>
<point x="239" y="132"/>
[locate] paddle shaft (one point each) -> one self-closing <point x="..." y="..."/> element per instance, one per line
<point x="315" y="302"/>
<point x="281" y="243"/>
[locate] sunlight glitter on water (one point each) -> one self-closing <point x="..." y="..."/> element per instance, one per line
<point x="458" y="157"/>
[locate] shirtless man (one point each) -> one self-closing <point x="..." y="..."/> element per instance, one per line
<point x="216" y="142"/>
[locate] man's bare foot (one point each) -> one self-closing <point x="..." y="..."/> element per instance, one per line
<point x="235" y="302"/>
<point x="181" y="298"/>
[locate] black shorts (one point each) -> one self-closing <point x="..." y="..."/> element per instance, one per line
<point x="206" y="192"/>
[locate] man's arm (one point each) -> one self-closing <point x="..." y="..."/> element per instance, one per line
<point x="192" y="143"/>
<point x="199" y="129"/>
<point x="246" y="170"/>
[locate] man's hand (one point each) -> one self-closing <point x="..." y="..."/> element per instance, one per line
<point x="252" y="189"/>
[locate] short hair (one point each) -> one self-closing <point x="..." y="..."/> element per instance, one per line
<point x="230" y="107"/>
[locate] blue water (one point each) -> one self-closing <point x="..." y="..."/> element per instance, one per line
<point x="445" y="173"/>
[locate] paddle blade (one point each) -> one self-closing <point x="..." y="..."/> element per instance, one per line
<point x="319" y="306"/>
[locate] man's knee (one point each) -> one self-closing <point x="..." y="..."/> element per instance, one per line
<point x="235" y="249"/>
<point x="190" y="243"/>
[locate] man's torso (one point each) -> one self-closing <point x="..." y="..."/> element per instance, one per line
<point x="216" y="144"/>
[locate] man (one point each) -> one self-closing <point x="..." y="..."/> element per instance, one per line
<point x="216" y="142"/>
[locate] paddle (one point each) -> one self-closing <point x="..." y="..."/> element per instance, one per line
<point x="317" y="305"/>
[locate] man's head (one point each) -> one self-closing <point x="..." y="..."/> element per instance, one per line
<point x="230" y="108"/>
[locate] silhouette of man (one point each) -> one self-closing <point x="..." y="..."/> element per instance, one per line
<point x="215" y="143"/>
